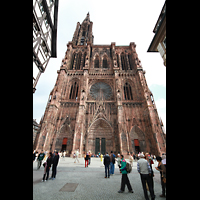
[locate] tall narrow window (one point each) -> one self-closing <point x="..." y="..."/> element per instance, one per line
<point x="96" y="62"/>
<point x="105" y="64"/>
<point x="130" y="61"/>
<point x="72" y="61"/>
<point x="128" y="92"/>
<point x="74" y="91"/>
<point x="117" y="59"/>
<point x="84" y="59"/>
<point x="78" y="60"/>
<point x="124" y="61"/>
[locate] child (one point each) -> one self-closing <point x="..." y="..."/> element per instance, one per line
<point x="86" y="159"/>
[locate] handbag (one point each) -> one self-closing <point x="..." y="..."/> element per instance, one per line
<point x="163" y="178"/>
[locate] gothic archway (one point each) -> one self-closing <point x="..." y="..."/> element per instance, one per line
<point x="100" y="137"/>
<point x="64" y="139"/>
<point x="137" y="140"/>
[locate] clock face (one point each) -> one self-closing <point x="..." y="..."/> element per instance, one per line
<point x="101" y="91"/>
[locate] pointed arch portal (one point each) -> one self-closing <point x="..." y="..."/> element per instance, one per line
<point x="100" y="137"/>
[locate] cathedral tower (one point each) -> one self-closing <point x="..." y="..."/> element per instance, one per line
<point x="101" y="101"/>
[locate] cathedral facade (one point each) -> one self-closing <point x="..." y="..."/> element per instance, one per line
<point x="101" y="101"/>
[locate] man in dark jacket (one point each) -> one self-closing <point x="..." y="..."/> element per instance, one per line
<point x="54" y="167"/>
<point x="106" y="162"/>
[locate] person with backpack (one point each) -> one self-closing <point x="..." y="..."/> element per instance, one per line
<point x="125" y="179"/>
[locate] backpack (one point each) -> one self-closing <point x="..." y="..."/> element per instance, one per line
<point x="128" y="167"/>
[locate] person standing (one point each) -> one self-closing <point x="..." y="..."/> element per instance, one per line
<point x="55" y="163"/>
<point x="131" y="159"/>
<point x="125" y="179"/>
<point x="106" y="162"/>
<point x="34" y="155"/>
<point x="86" y="159"/>
<point x="162" y="170"/>
<point x="144" y="169"/>
<point x="40" y="158"/>
<point x="47" y="167"/>
<point x="150" y="161"/>
<point x="119" y="161"/>
<point x="112" y="162"/>
<point x="89" y="158"/>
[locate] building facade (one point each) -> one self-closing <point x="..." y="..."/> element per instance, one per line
<point x="100" y="101"/>
<point x="45" y="13"/>
<point x="158" y="44"/>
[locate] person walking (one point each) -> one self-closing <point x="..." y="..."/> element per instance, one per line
<point x="40" y="158"/>
<point x="76" y="156"/>
<point x="106" y="162"/>
<point x="47" y="166"/>
<point x="144" y="169"/>
<point x="55" y="163"/>
<point x="124" y="179"/>
<point x="86" y="159"/>
<point x="162" y="170"/>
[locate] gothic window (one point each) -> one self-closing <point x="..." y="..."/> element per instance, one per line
<point x="72" y="61"/>
<point x="96" y="62"/>
<point x="128" y="92"/>
<point x="78" y="60"/>
<point x="74" y="91"/>
<point x="84" y="59"/>
<point x="105" y="64"/>
<point x="117" y="59"/>
<point x="124" y="61"/>
<point x="130" y="61"/>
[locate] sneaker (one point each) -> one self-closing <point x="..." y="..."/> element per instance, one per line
<point x="42" y="181"/>
<point x="130" y="191"/>
<point x="53" y="178"/>
<point x="45" y="180"/>
<point x="120" y="191"/>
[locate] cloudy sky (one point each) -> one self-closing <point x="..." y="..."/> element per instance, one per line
<point x="116" y="21"/>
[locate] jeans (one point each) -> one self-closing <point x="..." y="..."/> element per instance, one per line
<point x="54" y="170"/>
<point x="107" y="169"/>
<point x="112" y="168"/>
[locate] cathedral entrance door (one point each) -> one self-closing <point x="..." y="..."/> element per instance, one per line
<point x="103" y="146"/>
<point x="137" y="147"/>
<point x="64" y="144"/>
<point x="97" y="145"/>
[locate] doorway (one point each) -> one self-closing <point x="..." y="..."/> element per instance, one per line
<point x="100" y="143"/>
<point x="137" y="146"/>
<point x="103" y="146"/>
<point x="64" y="144"/>
<point x="97" y="146"/>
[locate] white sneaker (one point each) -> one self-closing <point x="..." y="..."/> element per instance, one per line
<point x="42" y="180"/>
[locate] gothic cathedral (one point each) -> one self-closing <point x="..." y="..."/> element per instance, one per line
<point x="101" y="101"/>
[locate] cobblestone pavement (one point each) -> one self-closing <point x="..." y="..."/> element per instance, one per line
<point x="89" y="182"/>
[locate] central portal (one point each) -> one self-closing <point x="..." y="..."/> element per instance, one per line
<point x="100" y="146"/>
